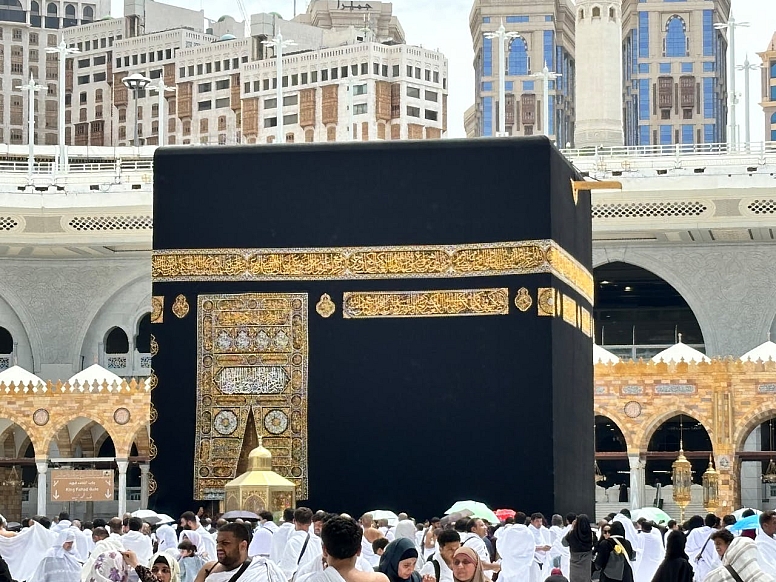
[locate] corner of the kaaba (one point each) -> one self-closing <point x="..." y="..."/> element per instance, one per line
<point x="406" y="342"/>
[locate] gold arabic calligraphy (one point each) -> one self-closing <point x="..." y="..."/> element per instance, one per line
<point x="426" y="303"/>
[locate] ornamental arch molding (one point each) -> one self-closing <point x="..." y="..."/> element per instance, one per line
<point x="11" y="320"/>
<point x="619" y="422"/>
<point x="122" y="306"/>
<point x="61" y="430"/>
<point x="662" y="268"/>
<point x="752" y="420"/>
<point x="653" y="424"/>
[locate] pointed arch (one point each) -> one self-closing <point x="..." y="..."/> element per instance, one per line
<point x="654" y="424"/>
<point x="676" y="37"/>
<point x="754" y="419"/>
<point x="518" y="61"/>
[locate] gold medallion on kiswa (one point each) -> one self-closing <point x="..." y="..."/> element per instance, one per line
<point x="464" y="302"/>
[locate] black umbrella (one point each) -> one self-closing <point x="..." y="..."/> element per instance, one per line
<point x="239" y="514"/>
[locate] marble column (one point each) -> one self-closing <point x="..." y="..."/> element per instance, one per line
<point x="42" y="485"/>
<point x="144" y="468"/>
<point x="636" y="482"/>
<point x="123" y="464"/>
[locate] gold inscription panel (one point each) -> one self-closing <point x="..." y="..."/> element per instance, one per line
<point x="252" y="357"/>
<point x="426" y="303"/>
<point x="443" y="261"/>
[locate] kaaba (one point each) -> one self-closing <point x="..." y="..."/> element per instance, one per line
<point x="402" y="324"/>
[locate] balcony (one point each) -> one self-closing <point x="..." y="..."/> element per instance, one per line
<point x="134" y="365"/>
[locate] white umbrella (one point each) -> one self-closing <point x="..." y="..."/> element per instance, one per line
<point x="739" y="513"/>
<point x="144" y="513"/>
<point x="164" y="518"/>
<point x="392" y="518"/>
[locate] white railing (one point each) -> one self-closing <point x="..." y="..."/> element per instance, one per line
<point x="646" y="151"/>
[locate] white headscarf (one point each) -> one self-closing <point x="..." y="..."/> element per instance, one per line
<point x="59" y="564"/>
<point x="167" y="540"/>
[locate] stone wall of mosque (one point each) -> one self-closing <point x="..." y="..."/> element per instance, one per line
<point x="60" y="310"/>
<point x="730" y="398"/>
<point x="65" y="415"/>
<point x="729" y="286"/>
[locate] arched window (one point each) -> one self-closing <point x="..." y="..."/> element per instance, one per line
<point x="676" y="39"/>
<point x="596" y="12"/>
<point x="116" y="342"/>
<point x="51" y="9"/>
<point x="582" y="14"/>
<point x="773" y="118"/>
<point x="518" y="57"/>
<point x="773" y="135"/>
<point x="69" y="11"/>
<point x="88" y="13"/>
<point x="773" y="70"/>
<point x="13" y="4"/>
<point x="34" y="8"/>
<point x="6" y="341"/>
<point x="143" y="337"/>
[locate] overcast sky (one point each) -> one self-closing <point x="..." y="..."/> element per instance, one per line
<point x="444" y="25"/>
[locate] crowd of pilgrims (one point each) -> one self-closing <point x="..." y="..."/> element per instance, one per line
<point x="324" y="547"/>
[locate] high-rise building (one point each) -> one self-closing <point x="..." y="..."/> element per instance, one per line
<point x="599" y="103"/>
<point x="27" y="29"/>
<point x="675" y="72"/>
<point x="768" y="103"/>
<point x="226" y="85"/>
<point x="546" y="36"/>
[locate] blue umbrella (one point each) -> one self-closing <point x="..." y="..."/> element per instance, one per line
<point x="751" y="522"/>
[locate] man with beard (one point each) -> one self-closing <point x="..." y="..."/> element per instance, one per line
<point x="233" y="564"/>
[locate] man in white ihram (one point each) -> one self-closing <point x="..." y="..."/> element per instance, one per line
<point x="302" y="545"/>
<point x="653" y="553"/>
<point x="341" y="545"/>
<point x="280" y="537"/>
<point x="543" y="544"/>
<point x="138" y="542"/>
<point x="473" y="538"/>
<point x="233" y="564"/>
<point x="700" y="549"/>
<point x="766" y="543"/>
<point x="516" y="546"/>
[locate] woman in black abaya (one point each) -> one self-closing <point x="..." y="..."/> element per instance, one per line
<point x="614" y="555"/>
<point x="675" y="567"/>
<point x="580" y="543"/>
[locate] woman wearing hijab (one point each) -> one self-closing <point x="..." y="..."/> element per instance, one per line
<point x="59" y="564"/>
<point x="580" y="543"/>
<point x="398" y="561"/>
<point x="467" y="566"/>
<point x="168" y="541"/>
<point x="164" y="568"/>
<point x="676" y="566"/>
<point x="615" y="554"/>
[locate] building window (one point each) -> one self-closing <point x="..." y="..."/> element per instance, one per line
<point x="432" y="115"/>
<point x="431" y="96"/>
<point x="270" y="103"/>
<point x="596" y="12"/>
<point x="413" y="111"/>
<point x="222" y="102"/>
<point x="360" y="109"/>
<point x="413" y="92"/>
<point x="359" y="89"/>
<point x="122" y="115"/>
<point x="518" y="57"/>
<point x="676" y="38"/>
<point x="140" y="112"/>
<point x="290" y="119"/>
<point x="222" y="84"/>
<point x="290" y="100"/>
<point x="205" y="87"/>
<point x="82" y="97"/>
<point x="270" y="122"/>
<point x="203" y="125"/>
<point x="204" y="105"/>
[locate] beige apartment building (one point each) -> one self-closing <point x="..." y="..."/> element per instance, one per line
<point x="222" y="85"/>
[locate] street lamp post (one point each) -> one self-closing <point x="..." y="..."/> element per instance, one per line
<point x="731" y="26"/>
<point x="546" y="76"/>
<point x="31" y="89"/>
<point x="161" y="88"/>
<point x="63" y="51"/>
<point x="503" y="37"/>
<point x="136" y="83"/>
<point x="746" y="68"/>
<point x="279" y="43"/>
